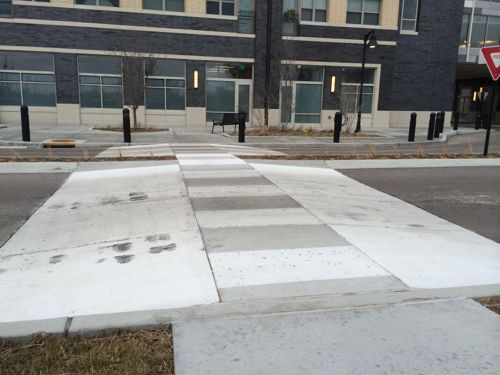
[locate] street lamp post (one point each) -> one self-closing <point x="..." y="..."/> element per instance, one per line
<point x="370" y="41"/>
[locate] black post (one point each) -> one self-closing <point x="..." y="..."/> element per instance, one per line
<point x="242" y="116"/>
<point x="25" y="123"/>
<point x="437" y="125"/>
<point x="456" y="117"/>
<point x="126" y="126"/>
<point x="337" y="127"/>
<point x="490" y="119"/>
<point x="413" y="127"/>
<point x="430" y="132"/>
<point x="441" y="124"/>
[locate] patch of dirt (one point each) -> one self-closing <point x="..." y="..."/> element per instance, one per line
<point x="492" y="303"/>
<point x="307" y="132"/>
<point x="132" y="129"/>
<point x="113" y="353"/>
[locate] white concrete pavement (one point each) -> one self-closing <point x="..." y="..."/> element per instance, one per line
<point x="215" y="233"/>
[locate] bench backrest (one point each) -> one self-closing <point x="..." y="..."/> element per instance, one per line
<point x="230" y="118"/>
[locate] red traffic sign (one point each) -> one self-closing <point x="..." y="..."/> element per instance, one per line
<point x="492" y="57"/>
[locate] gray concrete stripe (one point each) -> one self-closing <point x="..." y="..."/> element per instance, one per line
<point x="311" y="288"/>
<point x="224" y="181"/>
<point x="270" y="237"/>
<point x="219" y="167"/>
<point x="243" y="203"/>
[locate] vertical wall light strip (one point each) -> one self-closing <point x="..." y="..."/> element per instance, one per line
<point x="332" y="85"/>
<point x="195" y="79"/>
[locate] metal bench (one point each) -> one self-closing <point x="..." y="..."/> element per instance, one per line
<point x="227" y="120"/>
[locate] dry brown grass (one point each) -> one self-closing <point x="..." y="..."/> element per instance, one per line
<point x="306" y="132"/>
<point x="113" y="353"/>
<point x="132" y="129"/>
<point x="492" y="303"/>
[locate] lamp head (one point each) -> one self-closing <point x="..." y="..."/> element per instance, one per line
<point x="372" y="43"/>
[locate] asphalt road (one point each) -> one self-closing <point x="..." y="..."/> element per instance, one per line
<point x="467" y="196"/>
<point x="23" y="194"/>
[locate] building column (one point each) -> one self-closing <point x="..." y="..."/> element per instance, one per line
<point x="195" y="98"/>
<point x="68" y="98"/>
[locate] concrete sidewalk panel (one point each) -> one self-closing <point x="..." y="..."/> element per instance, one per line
<point x="457" y="337"/>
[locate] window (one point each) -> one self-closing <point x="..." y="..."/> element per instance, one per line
<point x="5" y="7"/>
<point x="100" y="81"/>
<point x="350" y="89"/>
<point x="222" y="7"/>
<point x="229" y="70"/>
<point x="28" y="79"/>
<point x="301" y="94"/>
<point x="410" y="15"/>
<point x="166" y="85"/>
<point x="168" y="5"/>
<point x="485" y="31"/>
<point x="464" y="32"/>
<point x="313" y="10"/>
<point x="102" y="3"/>
<point x="363" y="12"/>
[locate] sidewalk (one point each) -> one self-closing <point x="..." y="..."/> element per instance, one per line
<point x="89" y="137"/>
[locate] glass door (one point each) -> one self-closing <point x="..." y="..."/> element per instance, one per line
<point x="244" y="99"/>
<point x="221" y="98"/>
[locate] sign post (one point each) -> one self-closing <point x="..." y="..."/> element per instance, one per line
<point x="492" y="57"/>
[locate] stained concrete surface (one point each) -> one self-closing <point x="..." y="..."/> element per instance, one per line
<point x="457" y="337"/>
<point x="467" y="196"/>
<point x="21" y="195"/>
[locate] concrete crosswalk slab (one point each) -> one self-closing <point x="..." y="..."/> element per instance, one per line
<point x="270" y="237"/>
<point x="243" y="203"/>
<point x="225" y="181"/>
<point x="234" y="191"/>
<point x="419" y="248"/>
<point x="253" y="217"/>
<point x="457" y="337"/>
<point x="100" y="245"/>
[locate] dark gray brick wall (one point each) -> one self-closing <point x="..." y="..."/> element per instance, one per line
<point x="119" y="40"/>
<point x="124" y="18"/>
<point x="425" y="65"/>
<point x="66" y="71"/>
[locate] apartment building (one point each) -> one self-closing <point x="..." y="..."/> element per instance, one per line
<point x="186" y="62"/>
<point x="480" y="28"/>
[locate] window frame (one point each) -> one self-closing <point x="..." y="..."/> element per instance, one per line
<point x="97" y="4"/>
<point x="100" y="85"/>
<point x="164" y="7"/>
<point x="220" y="2"/>
<point x="21" y="82"/>
<point x="363" y="12"/>
<point x="314" y="9"/>
<point x="417" y="13"/>
<point x="165" y="87"/>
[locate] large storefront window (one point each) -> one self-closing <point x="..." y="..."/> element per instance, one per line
<point x="485" y="31"/>
<point x="100" y="81"/>
<point x="228" y="89"/>
<point x="166" y="85"/>
<point x="27" y="78"/>
<point x="301" y="94"/>
<point x="351" y="87"/>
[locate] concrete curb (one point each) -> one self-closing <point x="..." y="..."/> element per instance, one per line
<point x="93" y="324"/>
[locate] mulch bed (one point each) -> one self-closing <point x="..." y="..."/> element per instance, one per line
<point x="308" y="132"/>
<point x="133" y="130"/>
<point x="492" y="303"/>
<point x="113" y="353"/>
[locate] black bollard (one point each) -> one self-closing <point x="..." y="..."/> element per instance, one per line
<point x="441" y="124"/>
<point x="413" y="127"/>
<point x="25" y="123"/>
<point x="337" y="127"/>
<point x="126" y="126"/>
<point x="456" y="117"/>
<point x="242" y="116"/>
<point x="437" y="125"/>
<point x="432" y="122"/>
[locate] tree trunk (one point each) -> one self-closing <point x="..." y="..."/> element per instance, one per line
<point x="134" y="111"/>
